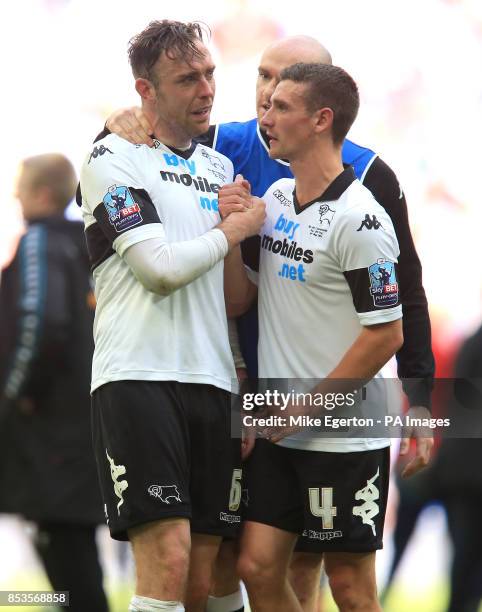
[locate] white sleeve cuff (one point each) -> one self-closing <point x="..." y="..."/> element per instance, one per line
<point x="252" y="275"/>
<point x="138" y="234"/>
<point x="375" y="317"/>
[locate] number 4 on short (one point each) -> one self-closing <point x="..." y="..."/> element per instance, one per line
<point x="323" y="507"/>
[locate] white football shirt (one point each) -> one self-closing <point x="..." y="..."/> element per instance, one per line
<point x="131" y="193"/>
<point x="326" y="270"/>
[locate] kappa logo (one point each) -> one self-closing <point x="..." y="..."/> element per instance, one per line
<point x="165" y="493"/>
<point x="98" y="152"/>
<point x="370" y="223"/>
<point x="326" y="217"/>
<point x="119" y="485"/>
<point x="123" y="211"/>
<point x="369" y="509"/>
<point x="383" y="283"/>
<point x="322" y="535"/>
<point x="213" y="160"/>
<point x="279" y="195"/>
<point x="229" y="518"/>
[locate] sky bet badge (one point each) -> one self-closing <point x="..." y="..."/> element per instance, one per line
<point x="383" y="283"/>
<point x="123" y="211"/>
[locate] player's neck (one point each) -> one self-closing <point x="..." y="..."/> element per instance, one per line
<point x="170" y="135"/>
<point x="315" y="173"/>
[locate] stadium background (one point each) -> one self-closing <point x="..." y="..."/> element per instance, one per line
<point x="418" y="65"/>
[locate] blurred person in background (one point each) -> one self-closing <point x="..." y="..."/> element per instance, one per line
<point x="414" y="496"/>
<point x="458" y="480"/>
<point x="47" y="467"/>
<point x="247" y="146"/>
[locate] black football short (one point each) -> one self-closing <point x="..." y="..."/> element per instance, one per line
<point x="164" y="450"/>
<point x="336" y="502"/>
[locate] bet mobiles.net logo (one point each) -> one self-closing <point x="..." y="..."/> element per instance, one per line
<point x="191" y="179"/>
<point x="289" y="249"/>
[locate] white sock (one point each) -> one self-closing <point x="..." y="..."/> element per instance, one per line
<point x="147" y="604"/>
<point x="228" y="603"/>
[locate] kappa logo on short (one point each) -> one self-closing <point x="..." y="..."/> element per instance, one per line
<point x="321" y="535"/>
<point x="123" y="211"/>
<point x="165" y="493"/>
<point x="119" y="485"/>
<point x="369" y="495"/>
<point x="383" y="283"/>
<point x="229" y="518"/>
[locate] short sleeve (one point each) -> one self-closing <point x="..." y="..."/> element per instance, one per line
<point x="367" y="249"/>
<point x="115" y="195"/>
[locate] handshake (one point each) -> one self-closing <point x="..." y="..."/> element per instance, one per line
<point x="242" y="214"/>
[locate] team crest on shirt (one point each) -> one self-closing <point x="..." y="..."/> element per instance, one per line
<point x="218" y="168"/>
<point x="383" y="283"/>
<point x="123" y="211"/>
<point x="326" y="215"/>
<point x="214" y="160"/>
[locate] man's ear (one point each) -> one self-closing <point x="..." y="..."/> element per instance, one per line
<point x="145" y="89"/>
<point x="323" y="119"/>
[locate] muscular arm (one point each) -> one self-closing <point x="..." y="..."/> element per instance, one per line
<point x="163" y="267"/>
<point x="136" y="232"/>
<point x="239" y="291"/>
<point x="415" y="358"/>
<point x="375" y="345"/>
